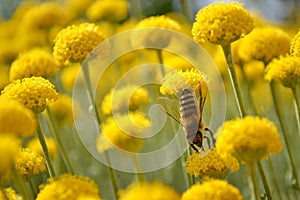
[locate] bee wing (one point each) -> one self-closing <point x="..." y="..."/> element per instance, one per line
<point x="202" y="87"/>
<point x="171" y="107"/>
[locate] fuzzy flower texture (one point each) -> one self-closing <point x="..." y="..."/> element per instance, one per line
<point x="284" y="69"/>
<point x="74" y="43"/>
<point x="211" y="166"/>
<point x="69" y="187"/>
<point x="212" y="190"/>
<point x="222" y="23"/>
<point x="35" y="92"/>
<point x="175" y="82"/>
<point x="249" y="139"/>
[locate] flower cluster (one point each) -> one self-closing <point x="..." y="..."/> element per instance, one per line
<point x="222" y="23"/>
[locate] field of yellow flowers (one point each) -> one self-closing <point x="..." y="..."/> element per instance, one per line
<point x="102" y="99"/>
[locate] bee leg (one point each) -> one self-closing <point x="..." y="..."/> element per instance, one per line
<point x="212" y="136"/>
<point x="208" y="141"/>
<point x="193" y="146"/>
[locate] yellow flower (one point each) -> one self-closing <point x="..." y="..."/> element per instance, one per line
<point x="16" y="118"/>
<point x="295" y="45"/>
<point x="43" y="15"/>
<point x="76" y="8"/>
<point x="128" y="97"/>
<point x="108" y="10"/>
<point x="264" y="44"/>
<point x="149" y="191"/>
<point x="62" y="110"/>
<point x="254" y="70"/>
<point x="113" y="133"/>
<point x="222" y="23"/>
<point x="149" y="37"/>
<point x="4" y="78"/>
<point x="177" y="62"/>
<point x="35" y="146"/>
<point x="177" y="81"/>
<point x="212" y="190"/>
<point x="211" y="166"/>
<point x="75" y="42"/>
<point x="10" y="194"/>
<point x="35" y="92"/>
<point x="29" y="163"/>
<point x="68" y="75"/>
<point x="35" y="62"/>
<point x="249" y="139"/>
<point x="9" y="147"/>
<point x="284" y="69"/>
<point x="69" y="187"/>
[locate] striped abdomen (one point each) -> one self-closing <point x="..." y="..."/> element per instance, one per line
<point x="190" y="116"/>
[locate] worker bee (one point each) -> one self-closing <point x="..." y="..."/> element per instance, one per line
<point x="189" y="114"/>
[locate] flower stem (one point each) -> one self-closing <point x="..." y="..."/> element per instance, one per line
<point x="284" y="132"/>
<point x="20" y="183"/>
<point x="137" y="164"/>
<point x="253" y="180"/>
<point x="234" y="80"/>
<point x="239" y="99"/>
<point x="34" y="193"/>
<point x="186" y="10"/>
<point x="61" y="146"/>
<point x="264" y="180"/>
<point x="295" y="95"/>
<point x="113" y="177"/>
<point x="41" y="137"/>
<point x="159" y="55"/>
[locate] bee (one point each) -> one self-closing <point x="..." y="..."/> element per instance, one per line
<point x="189" y="114"/>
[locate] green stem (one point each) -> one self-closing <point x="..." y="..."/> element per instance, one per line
<point x="295" y="95"/>
<point x="253" y="183"/>
<point x="113" y="177"/>
<point x="41" y="137"/>
<point x="284" y="131"/>
<point x="61" y="146"/>
<point x="34" y="193"/>
<point x="160" y="58"/>
<point x="20" y="183"/>
<point x="234" y="80"/>
<point x="186" y="10"/>
<point x="137" y="164"/>
<point x="239" y="99"/>
<point x="264" y="180"/>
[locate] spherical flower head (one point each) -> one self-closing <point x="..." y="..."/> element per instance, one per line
<point x="123" y="132"/>
<point x="62" y="110"/>
<point x="9" y="147"/>
<point x="177" y="63"/>
<point x="128" y="97"/>
<point x="35" y="62"/>
<point x="211" y="166"/>
<point x="114" y="11"/>
<point x="4" y="75"/>
<point x="249" y="139"/>
<point x="264" y="44"/>
<point x="222" y="23"/>
<point x="284" y="69"/>
<point x="295" y="45"/>
<point x="68" y="75"/>
<point x="29" y="163"/>
<point x="254" y="70"/>
<point x="68" y="187"/>
<point x="43" y="15"/>
<point x="16" y="118"/>
<point x="35" y="146"/>
<point x="149" y="191"/>
<point x="35" y="92"/>
<point x="148" y="37"/>
<point x="75" y="42"/>
<point x="212" y="190"/>
<point x="177" y="81"/>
